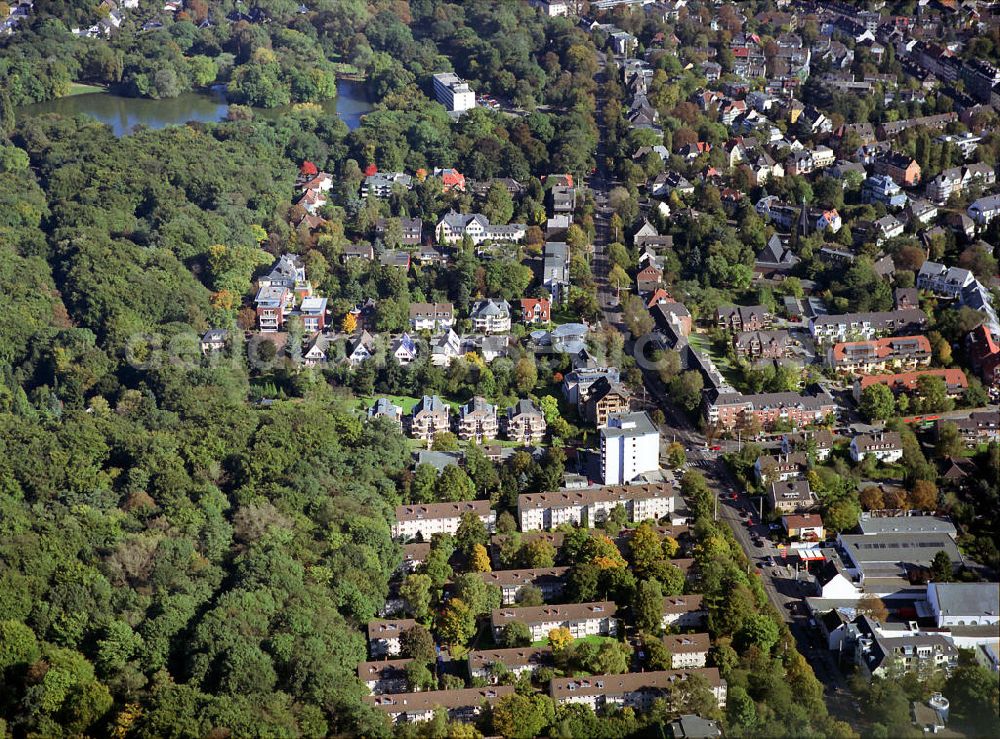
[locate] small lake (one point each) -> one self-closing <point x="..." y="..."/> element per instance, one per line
<point x="123" y="114"/>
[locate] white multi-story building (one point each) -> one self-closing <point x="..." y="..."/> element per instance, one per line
<point x="582" y="619"/>
<point x="687" y="650"/>
<point x="517" y="661"/>
<point x="490" y="316"/>
<point x="637" y="690"/>
<point x="830" y="329"/>
<point x="540" y="511"/>
<point x="462" y="705"/>
<point x="941" y="280"/>
<point x="549" y="580"/>
<point x="453" y="227"/>
<point x="630" y="446"/>
<point x="427" y="519"/>
<point x="384" y="676"/>
<point x="453" y="92"/>
<point x="683" y="611"/>
<point x="383" y="636"/>
<point x="885" y="446"/>
<point x="984" y="210"/>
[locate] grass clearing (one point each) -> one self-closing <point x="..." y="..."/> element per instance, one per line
<point x="79" y="88"/>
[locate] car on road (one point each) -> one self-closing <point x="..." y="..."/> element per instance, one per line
<point x="716" y="447"/>
<point x="733" y="496"/>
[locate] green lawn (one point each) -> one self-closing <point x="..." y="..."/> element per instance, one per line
<point x="704" y="344"/>
<point x="78" y="88"/>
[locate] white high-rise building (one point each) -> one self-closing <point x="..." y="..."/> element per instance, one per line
<point x="453" y="92"/>
<point x="630" y="446"/>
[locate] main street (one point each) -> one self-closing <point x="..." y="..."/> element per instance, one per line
<point x="783" y="589"/>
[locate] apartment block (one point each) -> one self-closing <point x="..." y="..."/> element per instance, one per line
<point x="885" y="446"/>
<point x="687" y="650"/>
<point x="830" y="329"/>
<point x="630" y="446"/>
<point x="550" y="580"/>
<point x="684" y="612"/>
<point x="636" y="690"/>
<point x="383" y="636"/>
<point x="485" y="664"/>
<point x="878" y="355"/>
<point x="462" y="705"/>
<point x="453" y="92"/>
<point x="538" y="511"/>
<point x="426" y="519"/>
<point x="582" y="619"/>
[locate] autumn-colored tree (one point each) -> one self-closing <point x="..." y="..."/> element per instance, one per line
<point x="871" y="499"/>
<point x="924" y="495"/>
<point x="871" y="605"/>
<point x="480" y="559"/>
<point x="350" y="324"/>
<point x="560" y="639"/>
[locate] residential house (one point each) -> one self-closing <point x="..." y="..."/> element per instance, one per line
<point x="630" y="447"/>
<point x="383" y="636"/>
<point x="404" y="350"/>
<point x="648" y="279"/>
<point x="690" y="725"/>
<point x="397" y="258"/>
<point x="806" y="527"/>
<point x="789" y="466"/>
<point x="904" y="170"/>
<point x="213" y="340"/>
<point x="755" y="345"/>
<point x="410" y="229"/>
<point x="357" y="251"/>
<point x="385" y="408"/>
<point x="477" y="420"/>
<point x="956" y="179"/>
<point x="879" y="355"/>
<point x="687" y="650"/>
<point x="577" y="384"/>
<point x="667" y="182"/>
<point x="582" y="619"/>
<point x="791" y="496"/>
<point x="445" y="348"/>
<point x="535" y="310"/>
<point x="603" y="399"/>
<point x="885" y="446"/>
<point x="524" y="422"/>
<point x="884" y="653"/>
<point x="684" y="612"/>
<point x="540" y="511"/>
<point x="551" y="581"/>
<point x="359" y="347"/>
<point x="490" y="316"/>
<point x="671" y="317"/>
<point x="887" y="227"/>
<point x="908" y="382"/>
<point x="984" y="355"/>
<point x="921" y="211"/>
<point x="381" y="184"/>
<point x="819" y="442"/>
<point x="485" y="664"/>
<point x="883" y="189"/>
<point x="430" y="417"/>
<point x="453" y="227"/>
<point x="636" y="690"/>
<point x="555" y="270"/>
<point x="451" y="179"/>
<point x="431" y="316"/>
<point x="739" y="318"/>
<point x="461" y="705"/>
<point x="312" y="311"/>
<point x="979" y="427"/>
<point x="422" y="520"/>
<point x="984" y="210"/>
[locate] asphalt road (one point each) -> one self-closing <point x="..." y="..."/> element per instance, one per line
<point x="781" y="588"/>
